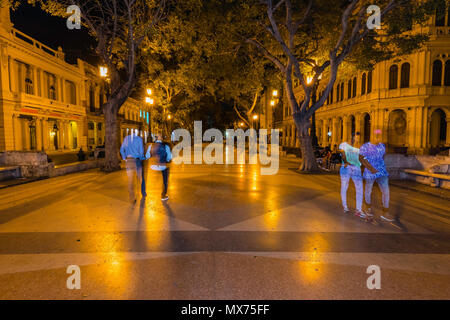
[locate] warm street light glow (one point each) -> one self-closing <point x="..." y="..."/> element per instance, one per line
<point x="255" y="117"/>
<point x="272" y="103"/>
<point x="149" y="100"/>
<point x="241" y="124"/>
<point x="275" y="93"/>
<point x="309" y="79"/>
<point x="103" y="72"/>
<point x="169" y="117"/>
<point x="149" y="92"/>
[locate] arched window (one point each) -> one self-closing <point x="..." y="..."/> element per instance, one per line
<point x="393" y="77"/>
<point x="437" y="73"/>
<point x="363" y="84"/>
<point x="354" y="86"/>
<point x="338" y="91"/>
<point x="342" y="91"/>
<point x="447" y="72"/>
<point x="369" y="82"/>
<point x="349" y="89"/>
<point x="404" y="81"/>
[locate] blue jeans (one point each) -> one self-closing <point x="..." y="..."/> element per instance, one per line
<point x="135" y="175"/>
<point x="383" y="183"/>
<point x="354" y="173"/>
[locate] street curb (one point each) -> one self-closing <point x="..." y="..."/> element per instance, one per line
<point x="23" y="182"/>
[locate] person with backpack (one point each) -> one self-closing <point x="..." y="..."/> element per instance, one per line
<point x="161" y="151"/>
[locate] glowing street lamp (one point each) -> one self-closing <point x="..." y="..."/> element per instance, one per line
<point x="255" y="117"/>
<point x="103" y="72"/>
<point x="149" y="92"/>
<point x="169" y="117"/>
<point x="275" y="93"/>
<point x="272" y="103"/>
<point x="149" y="100"/>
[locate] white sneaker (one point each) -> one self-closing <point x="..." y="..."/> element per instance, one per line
<point x="165" y="198"/>
<point x="386" y="219"/>
<point x="360" y="214"/>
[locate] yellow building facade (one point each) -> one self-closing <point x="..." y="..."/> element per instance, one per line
<point x="407" y="98"/>
<point x="47" y="104"/>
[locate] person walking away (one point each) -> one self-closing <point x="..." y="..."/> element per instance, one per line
<point x="132" y="152"/>
<point x="351" y="169"/>
<point x="374" y="151"/>
<point x="161" y="151"/>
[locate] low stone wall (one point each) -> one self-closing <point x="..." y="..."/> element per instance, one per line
<point x="23" y="158"/>
<point x="396" y="162"/>
<point x="36" y="165"/>
<point x="31" y="164"/>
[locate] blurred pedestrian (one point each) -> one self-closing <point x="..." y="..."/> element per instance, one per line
<point x="160" y="150"/>
<point x="132" y="151"/>
<point x="374" y="151"/>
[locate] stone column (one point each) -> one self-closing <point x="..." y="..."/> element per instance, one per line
<point x="60" y="134"/>
<point x="345" y="136"/>
<point x="38" y="134"/>
<point x="324" y="133"/>
<point x="16" y="129"/>
<point x="26" y="130"/>
<point x="45" y="134"/>
<point x="43" y="85"/>
<point x="35" y="80"/>
<point x="425" y="133"/>
<point x="410" y="128"/>
<point x="334" y="132"/>
<point x="66" y="134"/>
<point x="447" y="141"/>
<point x="358" y="129"/>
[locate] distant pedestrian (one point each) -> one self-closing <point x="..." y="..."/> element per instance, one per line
<point x="374" y="151"/>
<point x="132" y="151"/>
<point x="161" y="152"/>
<point x="81" y="155"/>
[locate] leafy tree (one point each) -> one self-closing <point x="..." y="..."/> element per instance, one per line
<point x="196" y="56"/>
<point x="120" y="28"/>
<point x="306" y="37"/>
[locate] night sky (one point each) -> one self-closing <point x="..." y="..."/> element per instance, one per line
<point x="53" y="32"/>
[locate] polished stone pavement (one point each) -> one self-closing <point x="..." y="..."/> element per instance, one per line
<point x="227" y="232"/>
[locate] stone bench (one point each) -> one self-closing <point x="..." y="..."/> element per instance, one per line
<point x="432" y="178"/>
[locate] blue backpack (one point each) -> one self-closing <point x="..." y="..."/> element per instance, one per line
<point x="160" y="152"/>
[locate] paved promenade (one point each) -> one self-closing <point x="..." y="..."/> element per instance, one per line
<point x="226" y="233"/>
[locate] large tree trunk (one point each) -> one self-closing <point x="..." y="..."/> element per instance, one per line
<point x="112" y="162"/>
<point x="309" y="163"/>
